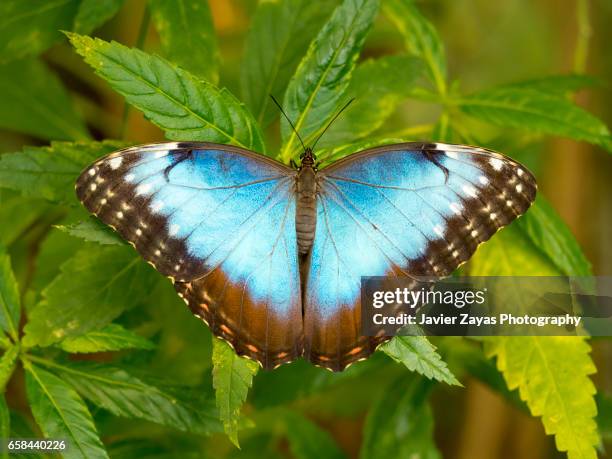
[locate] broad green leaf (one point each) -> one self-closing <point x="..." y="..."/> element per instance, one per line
<point x="232" y="377"/>
<point x="28" y="28"/>
<point x="552" y="236"/>
<point x="33" y="101"/>
<point x="420" y="37"/>
<point x="92" y="230"/>
<point x="93" y="13"/>
<point x="327" y="156"/>
<point x="7" y="365"/>
<point x="5" y="424"/>
<point x="93" y="288"/>
<point x="53" y="252"/>
<point x="400" y="423"/>
<point x="556" y="84"/>
<point x="278" y="38"/>
<point x="309" y="441"/>
<point x="377" y="86"/>
<point x="10" y="306"/>
<point x="323" y="75"/>
<point x="113" y="337"/>
<point x="418" y="354"/>
<point x="184" y="106"/>
<point x="61" y="413"/>
<point x="552" y="375"/>
<point x="187" y="35"/>
<point x="22" y="212"/>
<point x="123" y="394"/>
<point x="50" y="172"/>
<point x="535" y="111"/>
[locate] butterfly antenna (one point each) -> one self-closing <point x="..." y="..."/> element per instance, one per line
<point x="332" y="121"/>
<point x="290" y="123"/>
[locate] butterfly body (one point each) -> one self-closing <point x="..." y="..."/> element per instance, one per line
<point x="271" y="257"/>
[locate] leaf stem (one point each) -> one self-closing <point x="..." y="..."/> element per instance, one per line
<point x="140" y="42"/>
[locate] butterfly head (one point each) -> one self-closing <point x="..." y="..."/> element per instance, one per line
<point x="307" y="158"/>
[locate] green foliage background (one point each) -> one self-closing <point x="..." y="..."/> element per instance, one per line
<point x="97" y="348"/>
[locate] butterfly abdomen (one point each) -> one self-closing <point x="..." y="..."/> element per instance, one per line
<point x="306" y="214"/>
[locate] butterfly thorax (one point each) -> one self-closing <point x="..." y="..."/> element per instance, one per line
<point x="306" y="215"/>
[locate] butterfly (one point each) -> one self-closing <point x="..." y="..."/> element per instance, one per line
<point x="271" y="256"/>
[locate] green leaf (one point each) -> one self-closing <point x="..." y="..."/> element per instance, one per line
<point x="552" y="236"/>
<point x="92" y="230"/>
<point x="420" y="37"/>
<point x="377" y="86"/>
<point x="22" y="212"/>
<point x="10" y="305"/>
<point x="50" y="172"/>
<point x="551" y="373"/>
<point x="113" y="337"/>
<point x="279" y="36"/>
<point x="33" y="101"/>
<point x="418" y="354"/>
<point x="184" y="106"/>
<point x="400" y="423"/>
<point x="93" y="288"/>
<point x="93" y="13"/>
<point x="309" y="441"/>
<point x="232" y="377"/>
<point x="28" y="28"/>
<point x="5" y="424"/>
<point x="330" y="155"/>
<point x="61" y="413"/>
<point x="556" y="84"/>
<point x="324" y="73"/>
<point x="7" y="365"/>
<point x="604" y="416"/>
<point x="535" y="111"/>
<point x="123" y="394"/>
<point x="187" y="35"/>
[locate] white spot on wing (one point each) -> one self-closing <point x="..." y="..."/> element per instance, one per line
<point x="157" y="206"/>
<point x="519" y="188"/>
<point x="438" y="230"/>
<point x="496" y="163"/>
<point x="115" y="162"/>
<point x="161" y="154"/>
<point x="93" y="187"/>
<point x="469" y="190"/>
<point x="451" y="154"/>
<point x="129" y="177"/>
<point x="91" y="172"/>
<point x="173" y="229"/>
<point x="143" y="188"/>
<point x="455" y="207"/>
<point x="482" y="179"/>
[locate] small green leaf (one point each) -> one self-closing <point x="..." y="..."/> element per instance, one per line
<point x="28" y="28"/>
<point x="552" y="236"/>
<point x="420" y="37"/>
<point x="5" y="424"/>
<point x="7" y="365"/>
<point x="187" y="35"/>
<point x="61" y="413"/>
<point x="400" y="423"/>
<point x="93" y="288"/>
<point x="10" y="305"/>
<point x="324" y="73"/>
<point x="377" y="86"/>
<point x="184" y="106"/>
<point x="113" y="337"/>
<point x="552" y="375"/>
<point x="33" y="101"/>
<point x="279" y="36"/>
<point x="92" y="230"/>
<point x="93" y="13"/>
<point x="308" y="441"/>
<point x="50" y="172"/>
<point x="232" y="377"/>
<point x="535" y="111"/>
<point x="123" y="394"/>
<point x="418" y="354"/>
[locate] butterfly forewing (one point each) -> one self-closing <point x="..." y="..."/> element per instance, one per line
<point x="414" y="210"/>
<point x="218" y="220"/>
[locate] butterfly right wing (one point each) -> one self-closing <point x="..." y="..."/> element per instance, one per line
<point x="219" y="221"/>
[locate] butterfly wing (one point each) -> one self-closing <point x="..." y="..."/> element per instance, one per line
<point x="401" y="210"/>
<point x="220" y="222"/>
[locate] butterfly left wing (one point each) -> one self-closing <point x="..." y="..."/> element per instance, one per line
<point x="415" y="210"/>
<point x="220" y="222"/>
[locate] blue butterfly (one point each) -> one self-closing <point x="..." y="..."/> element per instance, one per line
<point x="271" y="257"/>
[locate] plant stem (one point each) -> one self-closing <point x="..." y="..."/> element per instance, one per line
<point x="140" y="41"/>
<point x="583" y="36"/>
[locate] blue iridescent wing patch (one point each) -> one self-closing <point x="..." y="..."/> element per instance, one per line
<point x="402" y="210"/>
<point x="220" y="222"/>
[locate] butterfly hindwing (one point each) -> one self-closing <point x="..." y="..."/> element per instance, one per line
<point x="218" y="220"/>
<point x="403" y="210"/>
